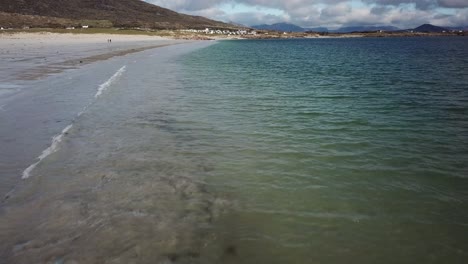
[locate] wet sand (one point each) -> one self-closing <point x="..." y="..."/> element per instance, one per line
<point x="110" y="186"/>
<point x="45" y="80"/>
<point x="28" y="56"/>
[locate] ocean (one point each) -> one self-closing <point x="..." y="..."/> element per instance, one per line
<point x="258" y="151"/>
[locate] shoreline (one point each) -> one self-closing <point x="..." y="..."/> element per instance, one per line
<point x="38" y="97"/>
<point x="184" y="35"/>
<point x="105" y="142"/>
<point x="31" y="56"/>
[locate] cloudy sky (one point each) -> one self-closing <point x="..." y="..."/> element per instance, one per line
<point x="327" y="13"/>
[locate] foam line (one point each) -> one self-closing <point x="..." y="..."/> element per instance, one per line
<point x="58" y="138"/>
<point x="105" y="85"/>
<point x="53" y="148"/>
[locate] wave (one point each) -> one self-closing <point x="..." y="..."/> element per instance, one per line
<point x="53" y="148"/>
<point x="112" y="79"/>
<point x="58" y="138"/>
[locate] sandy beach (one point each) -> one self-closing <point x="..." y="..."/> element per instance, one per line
<point x="27" y="56"/>
<point x="51" y="38"/>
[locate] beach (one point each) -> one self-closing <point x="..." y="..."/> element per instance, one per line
<point x="27" y="56"/>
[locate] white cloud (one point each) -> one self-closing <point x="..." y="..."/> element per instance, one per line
<point x="330" y="13"/>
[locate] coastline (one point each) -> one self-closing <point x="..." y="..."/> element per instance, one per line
<point x="96" y="115"/>
<point x="30" y="56"/>
<point x="237" y="153"/>
<point x="44" y="87"/>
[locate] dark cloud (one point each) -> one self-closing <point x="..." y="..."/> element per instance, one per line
<point x="249" y="18"/>
<point x="422" y="4"/>
<point x="419" y="4"/>
<point x="453" y="3"/>
<point x="380" y="10"/>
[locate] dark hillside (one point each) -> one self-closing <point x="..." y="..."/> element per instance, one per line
<point x="428" y="28"/>
<point x="122" y="13"/>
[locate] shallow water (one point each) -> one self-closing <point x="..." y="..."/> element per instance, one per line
<point x="113" y="187"/>
<point x="337" y="151"/>
<point x="292" y="151"/>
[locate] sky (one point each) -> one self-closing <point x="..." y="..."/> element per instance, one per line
<point x="327" y="13"/>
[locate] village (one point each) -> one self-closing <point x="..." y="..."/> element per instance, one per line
<point x="209" y="31"/>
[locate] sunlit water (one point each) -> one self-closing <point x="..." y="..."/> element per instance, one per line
<point x="291" y="151"/>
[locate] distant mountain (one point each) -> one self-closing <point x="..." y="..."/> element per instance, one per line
<point x="365" y="28"/>
<point x="463" y="28"/>
<point x="285" y="27"/>
<point x="237" y="24"/>
<point x="317" y="29"/>
<point x="428" y="28"/>
<point x="121" y="13"/>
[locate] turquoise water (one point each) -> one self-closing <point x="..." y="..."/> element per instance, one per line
<point x="264" y="151"/>
<point x="334" y="150"/>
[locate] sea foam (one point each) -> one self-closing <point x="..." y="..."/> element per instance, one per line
<point x="58" y="138"/>
<point x="105" y="85"/>
<point x="53" y="148"/>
